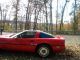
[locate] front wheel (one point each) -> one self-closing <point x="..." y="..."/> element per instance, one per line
<point x="43" y="51"/>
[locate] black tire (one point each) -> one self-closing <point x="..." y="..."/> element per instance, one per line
<point x="43" y="51"/>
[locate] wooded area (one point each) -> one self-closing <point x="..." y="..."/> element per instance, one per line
<point x="38" y="16"/>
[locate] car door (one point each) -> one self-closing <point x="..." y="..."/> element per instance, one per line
<point x="25" y="41"/>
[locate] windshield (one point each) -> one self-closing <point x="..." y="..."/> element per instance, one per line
<point x="11" y="35"/>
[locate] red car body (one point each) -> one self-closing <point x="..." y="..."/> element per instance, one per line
<point x="57" y="44"/>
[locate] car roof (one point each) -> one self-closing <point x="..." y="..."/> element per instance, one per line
<point x="37" y="31"/>
<point x="33" y="30"/>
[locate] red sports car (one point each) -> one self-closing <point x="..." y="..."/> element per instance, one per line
<point x="33" y="41"/>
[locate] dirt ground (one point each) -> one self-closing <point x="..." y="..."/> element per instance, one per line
<point x="72" y="52"/>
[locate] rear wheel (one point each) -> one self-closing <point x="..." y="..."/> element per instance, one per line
<point x="43" y="50"/>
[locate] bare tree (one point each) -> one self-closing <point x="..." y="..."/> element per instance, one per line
<point x="46" y="13"/>
<point x="5" y="10"/>
<point x="51" y="22"/>
<point x="28" y="15"/>
<point x="38" y="7"/>
<point x="27" y="18"/>
<point x="75" y="27"/>
<point x="16" y="6"/>
<point x="1" y="17"/>
<point x="76" y="15"/>
<point x="63" y="10"/>
<point x="56" y="16"/>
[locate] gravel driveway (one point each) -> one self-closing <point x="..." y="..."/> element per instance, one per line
<point x="72" y="39"/>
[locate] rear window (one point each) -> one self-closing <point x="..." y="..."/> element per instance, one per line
<point x="45" y="35"/>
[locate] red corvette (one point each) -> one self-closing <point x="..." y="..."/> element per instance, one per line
<point x="33" y="41"/>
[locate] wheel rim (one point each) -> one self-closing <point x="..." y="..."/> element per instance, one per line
<point x="43" y="51"/>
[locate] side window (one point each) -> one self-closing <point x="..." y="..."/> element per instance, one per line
<point x="43" y="35"/>
<point x="28" y="34"/>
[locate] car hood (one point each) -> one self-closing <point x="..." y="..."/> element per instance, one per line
<point x="5" y="36"/>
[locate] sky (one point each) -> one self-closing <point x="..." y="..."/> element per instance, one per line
<point x="68" y="8"/>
